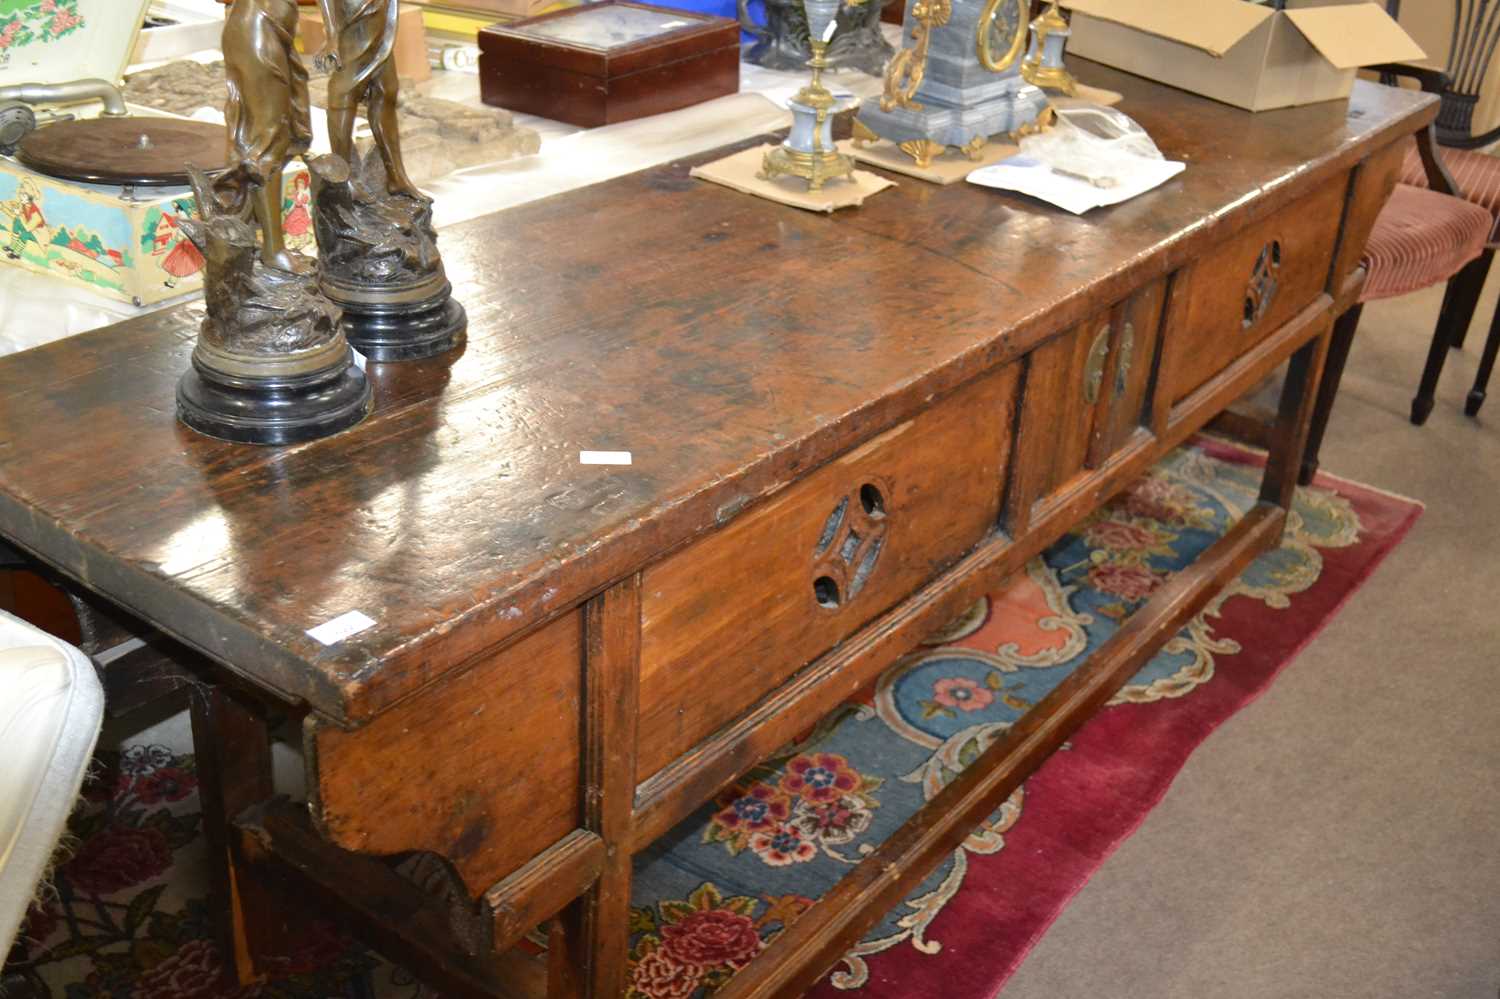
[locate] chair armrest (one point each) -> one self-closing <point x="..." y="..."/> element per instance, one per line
<point x="1432" y="81"/>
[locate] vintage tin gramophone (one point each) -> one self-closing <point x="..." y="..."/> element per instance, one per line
<point x="957" y="80"/>
<point x="808" y="150"/>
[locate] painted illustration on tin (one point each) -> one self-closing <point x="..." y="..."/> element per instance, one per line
<point x="296" y="211"/>
<point x="35" y="22"/>
<point x="163" y="239"/>
<point x="63" y="233"/>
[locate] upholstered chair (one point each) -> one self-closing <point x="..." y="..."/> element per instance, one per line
<point x="1424" y="235"/>
<point x="1476" y="32"/>
<point x="51" y="705"/>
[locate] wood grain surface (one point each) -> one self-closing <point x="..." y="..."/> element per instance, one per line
<point x="729" y="343"/>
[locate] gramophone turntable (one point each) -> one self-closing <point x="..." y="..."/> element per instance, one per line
<point x="90" y="190"/>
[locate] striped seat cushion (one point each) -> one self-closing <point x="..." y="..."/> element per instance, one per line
<point x="1476" y="174"/>
<point x="1421" y="238"/>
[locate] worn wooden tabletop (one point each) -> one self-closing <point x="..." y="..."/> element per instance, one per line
<point x="728" y="343"/>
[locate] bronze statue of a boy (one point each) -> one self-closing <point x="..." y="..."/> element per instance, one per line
<point x="361" y="41"/>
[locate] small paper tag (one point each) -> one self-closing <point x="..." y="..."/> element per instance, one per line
<point x="604" y="457"/>
<point x="336" y="630"/>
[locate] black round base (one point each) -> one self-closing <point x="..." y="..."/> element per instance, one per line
<point x="1474" y="403"/>
<point x="405" y="331"/>
<point x="273" y="410"/>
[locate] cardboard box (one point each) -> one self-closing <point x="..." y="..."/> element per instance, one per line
<point x="1241" y="53"/>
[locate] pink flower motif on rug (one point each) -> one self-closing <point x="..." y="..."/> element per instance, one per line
<point x="1154" y="497"/>
<point x="782" y="846"/>
<point x="962" y="693"/>
<point x="193" y="971"/>
<point x="835" y="822"/>
<point x="1128" y="582"/>
<point x="1121" y="535"/>
<point x="119" y="857"/>
<point x="658" y="976"/>
<point x="692" y="943"/>
<point x="166" y="784"/>
<point x="712" y="937"/>
<point x="820" y="777"/>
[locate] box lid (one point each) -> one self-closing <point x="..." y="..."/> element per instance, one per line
<point x="1348" y="35"/>
<point x="55" y="41"/>
<point x="1214" y="26"/>
<point x="1355" y="35"/>
<point x="608" y="38"/>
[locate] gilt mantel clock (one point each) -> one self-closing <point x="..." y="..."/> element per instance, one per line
<point x="957" y="80"/>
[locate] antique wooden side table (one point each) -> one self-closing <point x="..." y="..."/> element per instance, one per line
<point x="844" y="430"/>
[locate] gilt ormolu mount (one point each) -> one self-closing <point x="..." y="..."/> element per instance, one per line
<point x="377" y="251"/>
<point x="271" y="365"/>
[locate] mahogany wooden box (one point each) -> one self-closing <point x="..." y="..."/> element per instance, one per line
<point x="608" y="62"/>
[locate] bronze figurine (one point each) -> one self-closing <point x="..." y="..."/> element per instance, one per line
<point x="377" y="250"/>
<point x="267" y="111"/>
<point x="361" y="40"/>
<point x="271" y="365"/>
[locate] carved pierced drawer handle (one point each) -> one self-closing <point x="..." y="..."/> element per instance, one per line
<point x="1261" y="291"/>
<point x="1093" y="369"/>
<point x="848" y="547"/>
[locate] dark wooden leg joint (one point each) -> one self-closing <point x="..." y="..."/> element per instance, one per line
<point x="1339" y="345"/>
<point x="232" y="740"/>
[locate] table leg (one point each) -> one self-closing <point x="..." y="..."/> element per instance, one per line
<point x="596" y="929"/>
<point x="1328" y="389"/>
<point x="1289" y="434"/>
<point x="232" y="742"/>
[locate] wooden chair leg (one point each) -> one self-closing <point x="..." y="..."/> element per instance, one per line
<point x="1462" y="297"/>
<point x="1462" y="332"/>
<point x="1486" y="367"/>
<point x="1328" y="389"/>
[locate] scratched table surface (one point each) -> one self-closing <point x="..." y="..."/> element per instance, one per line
<point x="728" y="343"/>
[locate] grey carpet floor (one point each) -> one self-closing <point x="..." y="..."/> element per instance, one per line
<point x="1340" y="837"/>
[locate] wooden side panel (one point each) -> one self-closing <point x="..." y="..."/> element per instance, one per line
<point x="482" y="768"/>
<point x="1372" y="184"/>
<point x="1140" y="322"/>
<point x="1085" y="395"/>
<point x="1248" y="287"/>
<point x="730" y="618"/>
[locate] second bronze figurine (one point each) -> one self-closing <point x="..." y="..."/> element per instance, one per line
<point x="377" y="250"/>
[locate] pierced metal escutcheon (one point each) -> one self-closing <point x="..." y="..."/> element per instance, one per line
<point x="849" y="546"/>
<point x="1093" y="369"/>
<point x="1264" y="282"/>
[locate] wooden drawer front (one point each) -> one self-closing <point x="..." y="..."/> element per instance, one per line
<point x="1241" y="292"/>
<point x="1086" y="395"/>
<point x="729" y="619"/>
<point x="455" y="768"/>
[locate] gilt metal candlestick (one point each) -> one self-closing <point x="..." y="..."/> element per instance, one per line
<point x="377" y="250"/>
<point x="1043" y="66"/>
<point x="271" y="365"/>
<point x="808" y="150"/>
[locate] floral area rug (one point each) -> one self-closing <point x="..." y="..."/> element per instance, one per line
<point x="128" y="917"/>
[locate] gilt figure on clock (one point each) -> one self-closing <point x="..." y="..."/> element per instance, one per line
<point x="957" y="81"/>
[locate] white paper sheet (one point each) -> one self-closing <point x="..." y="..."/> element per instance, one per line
<point x="1035" y="178"/>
